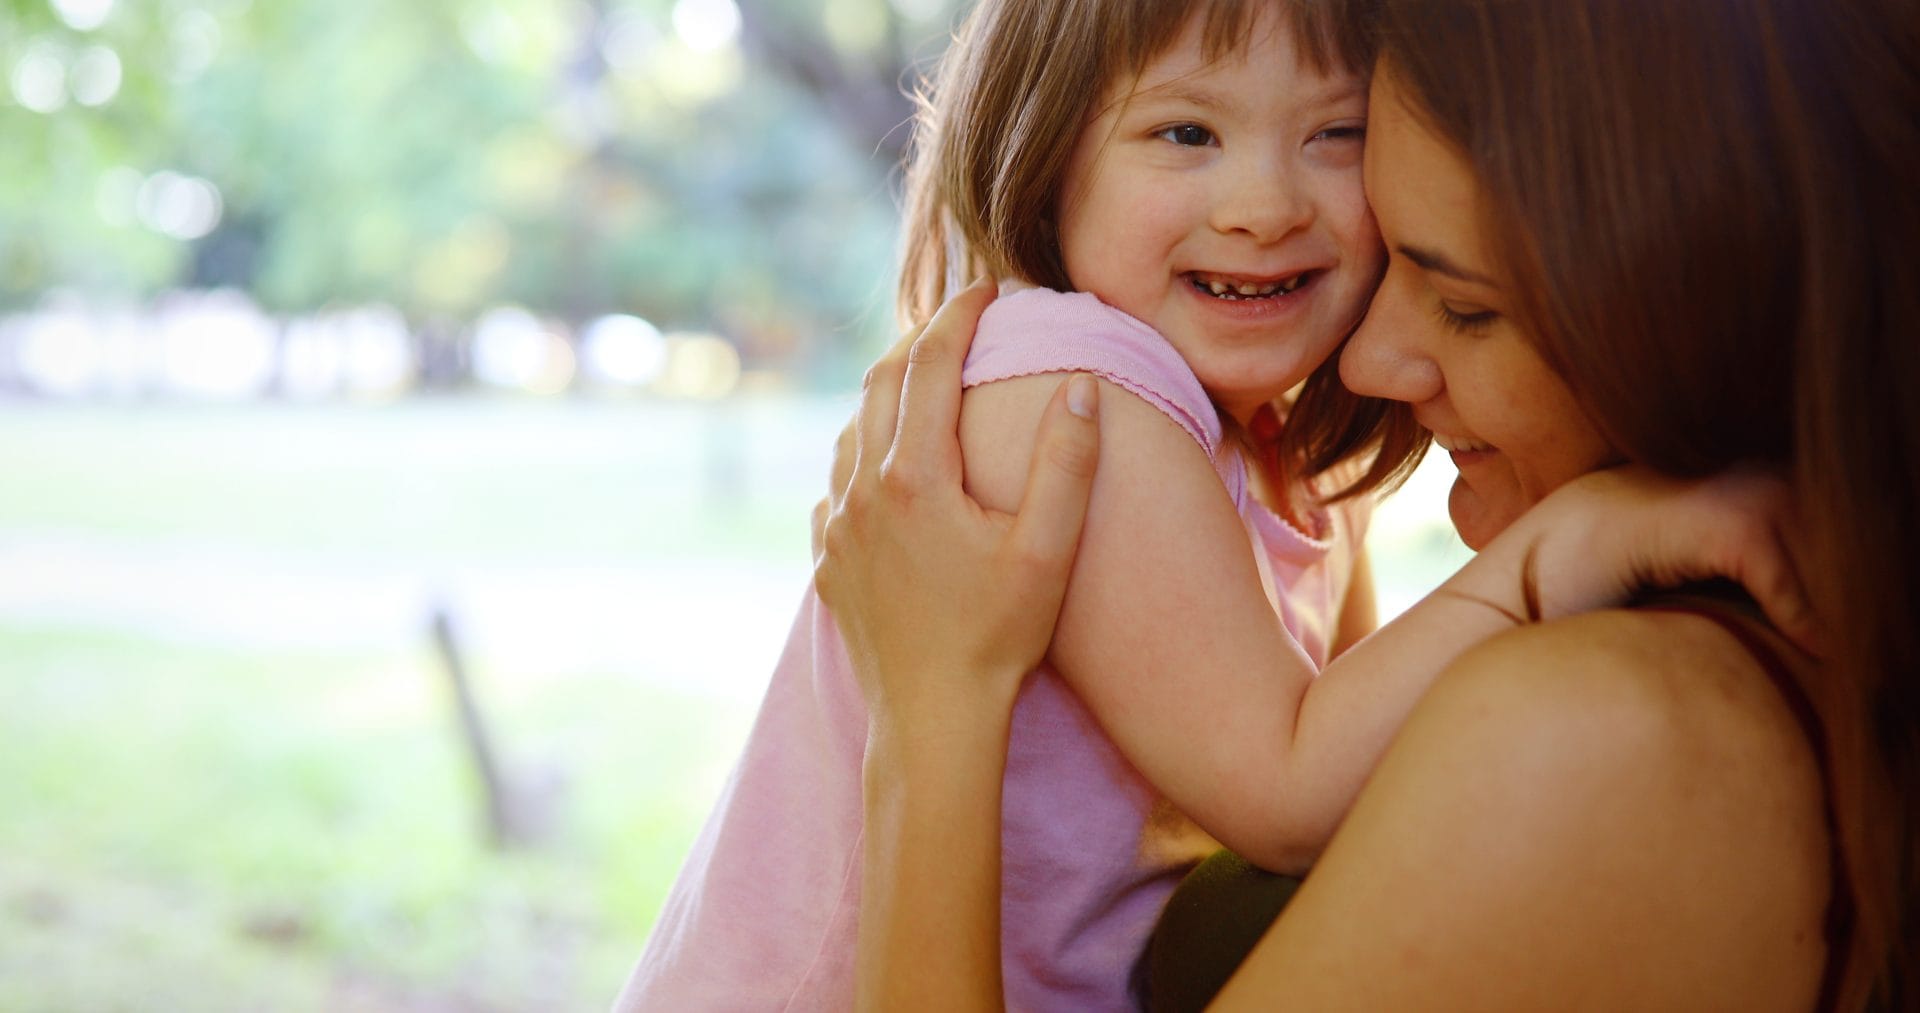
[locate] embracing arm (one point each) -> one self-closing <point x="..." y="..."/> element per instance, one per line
<point x="1616" y="811"/>
<point x="1167" y="635"/>
<point x="940" y="692"/>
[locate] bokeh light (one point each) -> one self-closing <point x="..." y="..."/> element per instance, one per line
<point x="39" y="78"/>
<point x="624" y="350"/>
<point x="83" y="15"/>
<point x="364" y="352"/>
<point x="178" y="205"/>
<point x="699" y="367"/>
<point x="706" y="26"/>
<point x="514" y="349"/>
<point x="96" y="76"/>
<point x="58" y="353"/>
<point x="217" y="345"/>
<point x="630" y="39"/>
<point x="196" y="43"/>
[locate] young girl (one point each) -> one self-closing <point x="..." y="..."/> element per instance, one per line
<point x="1191" y="174"/>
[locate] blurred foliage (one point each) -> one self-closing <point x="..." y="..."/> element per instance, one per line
<point x="578" y="157"/>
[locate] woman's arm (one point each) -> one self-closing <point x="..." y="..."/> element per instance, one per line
<point x="940" y="690"/>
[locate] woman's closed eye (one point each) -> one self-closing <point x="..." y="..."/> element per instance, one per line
<point x="1187" y="135"/>
<point x="1465" y="321"/>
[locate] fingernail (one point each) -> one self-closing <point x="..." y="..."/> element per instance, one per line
<point x="1083" y="397"/>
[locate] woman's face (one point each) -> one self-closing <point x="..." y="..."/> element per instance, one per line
<point x="1438" y="335"/>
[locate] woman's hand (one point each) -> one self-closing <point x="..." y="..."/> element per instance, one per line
<point x="1601" y="539"/>
<point x="940" y="601"/>
<point x="944" y="607"/>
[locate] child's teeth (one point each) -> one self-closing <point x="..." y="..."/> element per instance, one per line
<point x="1248" y="289"/>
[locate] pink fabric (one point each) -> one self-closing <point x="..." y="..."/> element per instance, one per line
<point x="764" y="913"/>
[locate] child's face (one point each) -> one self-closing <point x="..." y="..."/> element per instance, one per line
<point x="1222" y="204"/>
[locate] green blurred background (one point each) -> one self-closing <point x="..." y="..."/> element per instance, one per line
<point x="347" y="345"/>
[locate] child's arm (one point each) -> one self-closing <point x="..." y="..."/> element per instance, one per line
<point x="1167" y="636"/>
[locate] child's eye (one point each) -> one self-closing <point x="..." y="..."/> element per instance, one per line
<point x="1344" y="132"/>
<point x="1190" y="135"/>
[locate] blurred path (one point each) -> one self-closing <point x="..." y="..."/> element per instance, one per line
<point x="709" y="627"/>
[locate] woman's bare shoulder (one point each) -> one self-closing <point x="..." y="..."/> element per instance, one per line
<point x="1615" y="811"/>
<point x="1639" y="686"/>
<point x="1664" y="717"/>
<point x="1667" y="680"/>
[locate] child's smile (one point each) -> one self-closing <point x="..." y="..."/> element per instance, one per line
<point x="1233" y="288"/>
<point x="1220" y="202"/>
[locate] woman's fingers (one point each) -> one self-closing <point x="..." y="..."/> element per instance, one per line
<point x="879" y="407"/>
<point x="846" y="449"/>
<point x="1060" y="479"/>
<point x="926" y="442"/>
<point x="822" y="511"/>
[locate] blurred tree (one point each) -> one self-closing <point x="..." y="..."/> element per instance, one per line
<point x="697" y="162"/>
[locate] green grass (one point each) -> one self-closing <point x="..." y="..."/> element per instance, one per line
<point x="211" y="820"/>
<point x="188" y="828"/>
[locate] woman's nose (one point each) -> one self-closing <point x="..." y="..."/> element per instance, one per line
<point x="1384" y="358"/>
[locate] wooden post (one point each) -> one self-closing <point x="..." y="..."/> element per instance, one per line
<point x="501" y="830"/>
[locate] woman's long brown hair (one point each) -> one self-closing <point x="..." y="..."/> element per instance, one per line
<point x="1710" y="211"/>
<point x="998" y="121"/>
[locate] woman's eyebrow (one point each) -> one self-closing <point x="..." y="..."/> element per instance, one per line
<point x="1439" y="264"/>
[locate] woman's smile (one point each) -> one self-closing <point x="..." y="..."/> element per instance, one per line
<point x="1511" y="424"/>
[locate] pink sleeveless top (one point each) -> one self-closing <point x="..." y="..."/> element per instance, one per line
<point x="764" y="913"/>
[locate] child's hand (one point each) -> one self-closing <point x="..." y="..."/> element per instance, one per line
<point x="1601" y="538"/>
<point x="942" y="603"/>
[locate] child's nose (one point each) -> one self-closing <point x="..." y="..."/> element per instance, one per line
<point x="1263" y="199"/>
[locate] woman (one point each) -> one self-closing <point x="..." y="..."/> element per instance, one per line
<point x="1673" y="234"/>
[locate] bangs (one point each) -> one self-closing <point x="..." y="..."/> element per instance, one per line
<point x="1331" y="35"/>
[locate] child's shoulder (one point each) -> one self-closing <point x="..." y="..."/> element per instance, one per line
<point x="1034" y="331"/>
